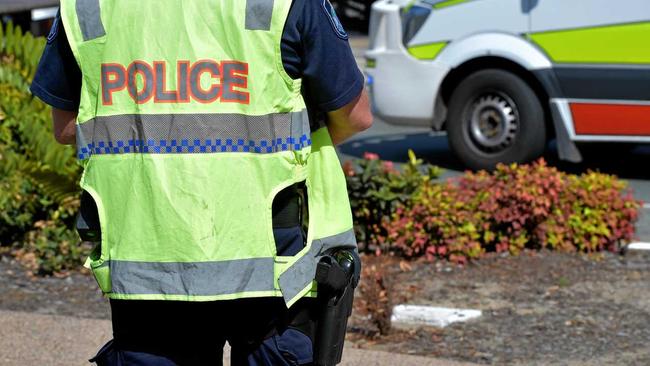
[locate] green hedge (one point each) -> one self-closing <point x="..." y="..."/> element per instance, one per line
<point x="516" y="207"/>
<point x="38" y="177"/>
<point x="376" y="189"/>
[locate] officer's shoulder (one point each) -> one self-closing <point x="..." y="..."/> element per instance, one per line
<point x="324" y="10"/>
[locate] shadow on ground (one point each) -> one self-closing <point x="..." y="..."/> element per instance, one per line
<point x="627" y="161"/>
<point x="431" y="147"/>
<point x="624" y="160"/>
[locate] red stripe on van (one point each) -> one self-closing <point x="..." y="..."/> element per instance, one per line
<point x="611" y="119"/>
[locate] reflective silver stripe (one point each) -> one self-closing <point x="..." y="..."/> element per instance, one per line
<point x="259" y="14"/>
<point x="192" y="279"/>
<point x="303" y="272"/>
<point x="193" y="133"/>
<point x="224" y="277"/>
<point x="90" y="21"/>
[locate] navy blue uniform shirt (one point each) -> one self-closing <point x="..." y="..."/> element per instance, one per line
<point x="314" y="47"/>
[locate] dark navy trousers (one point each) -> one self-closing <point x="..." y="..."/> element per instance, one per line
<point x="260" y="331"/>
<point x="290" y="348"/>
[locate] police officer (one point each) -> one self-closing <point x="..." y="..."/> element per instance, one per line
<point x="206" y="131"/>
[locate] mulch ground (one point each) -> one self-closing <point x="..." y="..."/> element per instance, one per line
<point x="538" y="308"/>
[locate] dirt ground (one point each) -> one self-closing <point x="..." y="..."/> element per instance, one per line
<point x="75" y="295"/>
<point x="538" y="308"/>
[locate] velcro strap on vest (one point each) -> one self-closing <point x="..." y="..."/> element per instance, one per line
<point x="90" y="20"/>
<point x="259" y="14"/>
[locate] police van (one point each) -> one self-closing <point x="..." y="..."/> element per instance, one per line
<point x="504" y="76"/>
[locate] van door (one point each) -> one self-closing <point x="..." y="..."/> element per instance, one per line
<point x="601" y="59"/>
<point x="454" y="19"/>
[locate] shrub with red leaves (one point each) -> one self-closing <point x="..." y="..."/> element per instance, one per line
<point x="515" y="207"/>
<point x="376" y="188"/>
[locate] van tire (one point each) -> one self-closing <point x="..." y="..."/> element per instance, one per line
<point x="495" y="117"/>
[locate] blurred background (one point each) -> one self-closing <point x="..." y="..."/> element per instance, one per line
<point x="35" y="16"/>
<point x="499" y="198"/>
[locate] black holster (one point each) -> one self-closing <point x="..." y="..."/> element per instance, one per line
<point x="336" y="283"/>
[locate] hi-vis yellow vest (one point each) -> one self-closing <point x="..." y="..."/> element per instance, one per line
<point x="187" y="129"/>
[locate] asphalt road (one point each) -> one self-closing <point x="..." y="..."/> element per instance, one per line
<point x="393" y="142"/>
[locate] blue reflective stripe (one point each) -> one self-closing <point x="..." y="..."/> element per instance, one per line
<point x="203" y="147"/>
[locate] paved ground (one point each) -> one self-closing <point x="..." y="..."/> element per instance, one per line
<point x="392" y="143"/>
<point x="28" y="339"/>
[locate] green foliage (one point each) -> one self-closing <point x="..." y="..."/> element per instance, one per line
<point x="19" y="207"/>
<point x="38" y="177"/>
<point x="376" y="187"/>
<point x="52" y="247"/>
<point x="515" y="207"/>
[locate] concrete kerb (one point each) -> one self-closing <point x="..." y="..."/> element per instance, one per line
<point x="408" y="316"/>
<point x="38" y="339"/>
<point x="637" y="255"/>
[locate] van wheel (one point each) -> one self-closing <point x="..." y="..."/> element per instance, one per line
<point x="495" y="117"/>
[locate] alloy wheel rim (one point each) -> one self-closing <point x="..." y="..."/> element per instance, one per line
<point x="493" y="122"/>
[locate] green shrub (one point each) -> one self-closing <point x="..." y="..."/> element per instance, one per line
<point x="52" y="247"/>
<point x="38" y="177"/>
<point x="20" y="207"/>
<point x="515" y="207"/>
<point x="375" y="188"/>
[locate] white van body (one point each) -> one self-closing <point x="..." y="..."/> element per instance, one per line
<point x="586" y="61"/>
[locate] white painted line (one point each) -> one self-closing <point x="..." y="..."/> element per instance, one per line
<point x="639" y="246"/>
<point x="431" y="316"/>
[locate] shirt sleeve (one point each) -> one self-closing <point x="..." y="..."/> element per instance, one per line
<point x="315" y="48"/>
<point x="57" y="81"/>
